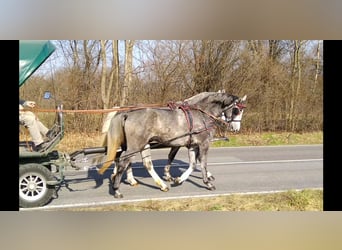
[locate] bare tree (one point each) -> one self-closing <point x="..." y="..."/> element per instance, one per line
<point x="296" y="81"/>
<point x="318" y="66"/>
<point x="282" y="78"/>
<point x="107" y="81"/>
<point x="210" y="64"/>
<point x="127" y="86"/>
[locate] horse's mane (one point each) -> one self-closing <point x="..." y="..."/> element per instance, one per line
<point x="199" y="97"/>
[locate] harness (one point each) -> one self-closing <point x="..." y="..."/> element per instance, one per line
<point x="186" y="108"/>
<point x="240" y="107"/>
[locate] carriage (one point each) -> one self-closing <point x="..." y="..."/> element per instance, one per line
<point x="42" y="173"/>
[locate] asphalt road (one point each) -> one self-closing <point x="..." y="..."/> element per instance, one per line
<point x="236" y="170"/>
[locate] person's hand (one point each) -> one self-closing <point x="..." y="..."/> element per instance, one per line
<point x="30" y="104"/>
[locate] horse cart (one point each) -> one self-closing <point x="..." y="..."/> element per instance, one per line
<point x="190" y="123"/>
<point x="41" y="173"/>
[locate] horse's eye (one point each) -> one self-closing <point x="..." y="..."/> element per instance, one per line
<point x="236" y="111"/>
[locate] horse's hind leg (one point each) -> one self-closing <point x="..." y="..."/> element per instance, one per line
<point x="167" y="176"/>
<point x="147" y="161"/>
<point x="116" y="178"/>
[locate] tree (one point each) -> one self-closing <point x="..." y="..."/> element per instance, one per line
<point x="127" y="86"/>
<point x="113" y="78"/>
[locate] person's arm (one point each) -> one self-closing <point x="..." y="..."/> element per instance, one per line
<point x="30" y="104"/>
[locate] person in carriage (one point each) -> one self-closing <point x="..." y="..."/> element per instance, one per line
<point x="35" y="127"/>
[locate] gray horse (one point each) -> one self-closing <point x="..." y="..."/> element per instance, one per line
<point x="185" y="125"/>
<point x="232" y="117"/>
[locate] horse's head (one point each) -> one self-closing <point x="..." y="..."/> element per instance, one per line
<point x="233" y="115"/>
<point x="221" y="103"/>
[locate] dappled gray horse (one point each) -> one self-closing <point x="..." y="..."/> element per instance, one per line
<point x="232" y="118"/>
<point x="188" y="125"/>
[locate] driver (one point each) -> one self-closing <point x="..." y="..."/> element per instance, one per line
<point x="36" y="128"/>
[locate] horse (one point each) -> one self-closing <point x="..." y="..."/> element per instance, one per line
<point x="232" y="117"/>
<point x="233" y="120"/>
<point x="187" y="125"/>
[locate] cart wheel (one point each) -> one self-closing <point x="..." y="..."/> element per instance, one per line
<point x="33" y="188"/>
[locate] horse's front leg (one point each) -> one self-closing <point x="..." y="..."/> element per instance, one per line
<point x="209" y="175"/>
<point x="203" y="157"/>
<point x="147" y="162"/>
<point x="172" y="154"/>
<point x="192" y="166"/>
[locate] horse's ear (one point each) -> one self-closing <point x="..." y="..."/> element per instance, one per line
<point x="228" y="101"/>
<point x="243" y="99"/>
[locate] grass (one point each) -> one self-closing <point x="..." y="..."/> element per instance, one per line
<point x="271" y="138"/>
<point x="292" y="200"/>
<point x="75" y="141"/>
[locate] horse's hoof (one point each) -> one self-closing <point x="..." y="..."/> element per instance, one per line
<point x="177" y="181"/>
<point x="211" y="178"/>
<point x="212" y="188"/>
<point x="118" y="195"/>
<point x="165" y="189"/>
<point x="133" y="183"/>
<point x="167" y="178"/>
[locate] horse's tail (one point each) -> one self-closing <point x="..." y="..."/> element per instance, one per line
<point x="105" y="128"/>
<point x="115" y="138"/>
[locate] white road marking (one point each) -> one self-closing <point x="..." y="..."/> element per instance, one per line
<point x="210" y="163"/>
<point x="107" y="203"/>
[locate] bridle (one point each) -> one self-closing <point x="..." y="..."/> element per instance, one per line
<point x="235" y="106"/>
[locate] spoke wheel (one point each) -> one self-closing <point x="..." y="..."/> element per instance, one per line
<point x="33" y="188"/>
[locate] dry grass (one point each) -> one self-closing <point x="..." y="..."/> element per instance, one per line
<point x="271" y="138"/>
<point x="304" y="200"/>
<point x="75" y="141"/>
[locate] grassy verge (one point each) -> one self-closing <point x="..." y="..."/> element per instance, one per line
<point x="268" y="139"/>
<point x="75" y="141"/>
<point x="304" y="200"/>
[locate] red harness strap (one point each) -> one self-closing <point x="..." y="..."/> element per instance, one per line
<point x="186" y="109"/>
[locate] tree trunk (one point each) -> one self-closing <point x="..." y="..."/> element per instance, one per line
<point x="104" y="91"/>
<point x="295" y="83"/>
<point x="127" y="87"/>
<point x="115" y="72"/>
<point x="318" y="59"/>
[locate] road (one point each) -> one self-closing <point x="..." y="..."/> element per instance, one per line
<point x="236" y="170"/>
